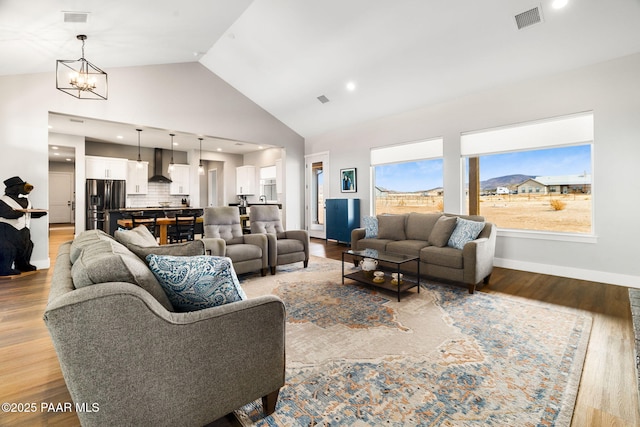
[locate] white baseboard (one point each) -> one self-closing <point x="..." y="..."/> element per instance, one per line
<point x="42" y="264"/>
<point x="573" y="273"/>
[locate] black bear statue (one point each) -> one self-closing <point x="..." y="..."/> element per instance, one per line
<point x="15" y="235"/>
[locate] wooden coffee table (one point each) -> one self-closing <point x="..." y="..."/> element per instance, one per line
<point x="387" y="257"/>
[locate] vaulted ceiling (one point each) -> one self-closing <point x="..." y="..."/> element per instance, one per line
<point x="284" y="54"/>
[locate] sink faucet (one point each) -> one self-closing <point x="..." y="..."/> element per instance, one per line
<point x="263" y="198"/>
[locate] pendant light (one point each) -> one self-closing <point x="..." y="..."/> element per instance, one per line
<point x="200" y="167"/>
<point x="171" y="162"/>
<point x="139" y="164"/>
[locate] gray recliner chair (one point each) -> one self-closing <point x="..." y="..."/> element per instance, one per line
<point x="285" y="247"/>
<point x="223" y="237"/>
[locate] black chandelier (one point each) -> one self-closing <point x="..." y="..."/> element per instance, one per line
<point x="80" y="78"/>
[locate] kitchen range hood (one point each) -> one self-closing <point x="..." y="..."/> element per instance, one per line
<point x="157" y="168"/>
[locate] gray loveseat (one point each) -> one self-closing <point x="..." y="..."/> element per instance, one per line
<point x="427" y="236"/>
<point x="121" y="345"/>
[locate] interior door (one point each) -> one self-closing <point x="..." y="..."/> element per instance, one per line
<point x="316" y="192"/>
<point x="61" y="199"/>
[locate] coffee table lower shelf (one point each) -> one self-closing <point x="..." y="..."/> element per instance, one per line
<point x="404" y="286"/>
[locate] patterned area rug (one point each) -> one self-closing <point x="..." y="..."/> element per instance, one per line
<point x="441" y="357"/>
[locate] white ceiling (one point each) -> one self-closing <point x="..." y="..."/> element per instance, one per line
<point x="283" y="54"/>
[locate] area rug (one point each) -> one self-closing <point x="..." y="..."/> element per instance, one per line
<point x="441" y="357"/>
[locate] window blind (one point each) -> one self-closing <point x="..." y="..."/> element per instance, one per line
<point x="566" y="130"/>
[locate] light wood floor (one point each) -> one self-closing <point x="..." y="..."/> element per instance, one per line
<point x="608" y="394"/>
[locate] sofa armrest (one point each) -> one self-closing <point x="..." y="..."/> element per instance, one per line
<point x="478" y="257"/>
<point x="261" y="241"/>
<point x="144" y="365"/>
<point x="214" y="246"/>
<point x="357" y="234"/>
<point x="301" y="235"/>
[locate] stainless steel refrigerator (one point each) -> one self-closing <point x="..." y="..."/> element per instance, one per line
<point x="103" y="195"/>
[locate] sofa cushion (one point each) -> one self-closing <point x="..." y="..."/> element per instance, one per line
<point x="370" y="227"/>
<point x="243" y="252"/>
<point x="193" y="248"/>
<point x="140" y="236"/>
<point x="442" y="231"/>
<point x="109" y="261"/>
<point x="84" y="239"/>
<point x="420" y="225"/>
<point x="391" y="227"/>
<point x="194" y="283"/>
<point x="406" y="247"/>
<point x="446" y="257"/>
<point x="464" y="232"/>
<point x="377" y="244"/>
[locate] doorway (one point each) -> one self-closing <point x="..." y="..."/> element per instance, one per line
<point x="62" y="171"/>
<point x="316" y="192"/>
<point x="61" y="198"/>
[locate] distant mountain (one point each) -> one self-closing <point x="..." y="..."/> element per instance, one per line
<point x="509" y="181"/>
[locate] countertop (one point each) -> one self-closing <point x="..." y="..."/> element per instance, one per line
<point x="153" y="208"/>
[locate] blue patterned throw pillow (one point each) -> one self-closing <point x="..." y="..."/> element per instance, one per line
<point x="370" y="227"/>
<point x="196" y="282"/>
<point x="464" y="232"/>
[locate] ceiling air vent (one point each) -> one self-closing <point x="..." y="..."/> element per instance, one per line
<point x="528" y="18"/>
<point x="323" y="99"/>
<point x="76" y="17"/>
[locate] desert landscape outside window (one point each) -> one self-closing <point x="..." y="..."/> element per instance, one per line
<point x="409" y="187"/>
<point x="548" y="187"/>
<point x="408" y="177"/>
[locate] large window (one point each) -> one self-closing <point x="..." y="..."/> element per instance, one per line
<point x="543" y="183"/>
<point x="408" y="178"/>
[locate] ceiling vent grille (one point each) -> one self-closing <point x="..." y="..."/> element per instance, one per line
<point x="76" y="17"/>
<point x="528" y="18"/>
<point x="323" y="99"/>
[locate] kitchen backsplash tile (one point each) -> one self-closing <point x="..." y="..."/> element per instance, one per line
<point x="157" y="193"/>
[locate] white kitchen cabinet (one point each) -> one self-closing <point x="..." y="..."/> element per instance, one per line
<point x="137" y="177"/>
<point x="105" y="168"/>
<point x="180" y="180"/>
<point x="246" y="180"/>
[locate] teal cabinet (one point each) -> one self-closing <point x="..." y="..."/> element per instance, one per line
<point x="342" y="216"/>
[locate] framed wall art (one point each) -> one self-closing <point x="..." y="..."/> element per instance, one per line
<point x="348" y="180"/>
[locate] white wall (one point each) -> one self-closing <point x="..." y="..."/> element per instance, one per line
<point x="186" y="97"/>
<point x="610" y="90"/>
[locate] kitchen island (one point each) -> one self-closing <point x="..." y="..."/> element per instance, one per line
<point x="114" y="215"/>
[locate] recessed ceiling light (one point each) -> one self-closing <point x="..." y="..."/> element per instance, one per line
<point x="351" y="86"/>
<point x="68" y="160"/>
<point x="119" y="136"/>
<point x="56" y="154"/>
<point x="559" y="4"/>
<point x="219" y="149"/>
<point x="260" y="147"/>
<point x="175" y="143"/>
<point x="54" y="147"/>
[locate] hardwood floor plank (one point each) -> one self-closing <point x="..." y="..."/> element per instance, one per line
<point x="608" y="393"/>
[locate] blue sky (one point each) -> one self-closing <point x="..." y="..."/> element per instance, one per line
<point x="427" y="174"/>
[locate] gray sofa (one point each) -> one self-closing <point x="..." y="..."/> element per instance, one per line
<point x="122" y="347"/>
<point x="427" y="236"/>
